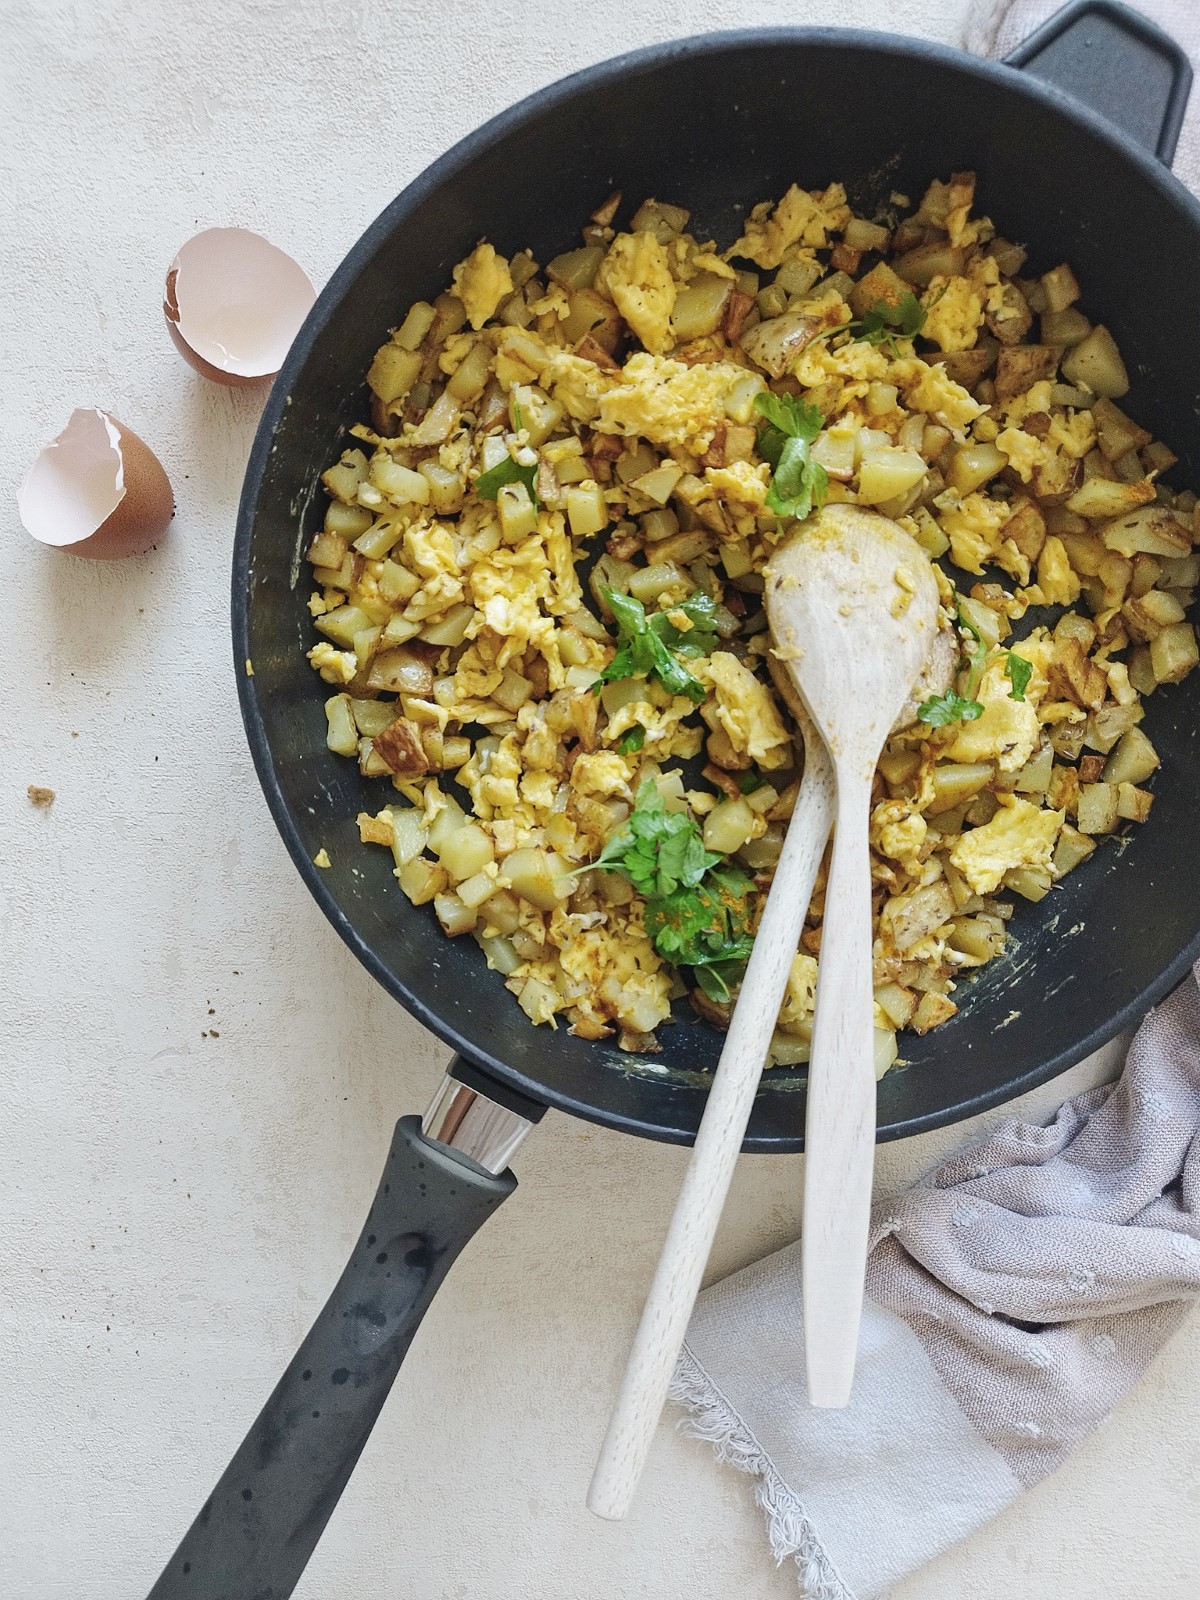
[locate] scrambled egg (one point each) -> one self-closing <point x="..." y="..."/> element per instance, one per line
<point x="637" y="277"/>
<point x="1019" y="835"/>
<point x="539" y="445"/>
<point x="481" y="282"/>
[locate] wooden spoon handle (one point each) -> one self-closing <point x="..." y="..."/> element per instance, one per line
<point x="689" y="1239"/>
<point x="839" y="1137"/>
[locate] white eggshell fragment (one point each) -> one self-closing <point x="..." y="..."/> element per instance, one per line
<point x="96" y="491"/>
<point x="233" y="303"/>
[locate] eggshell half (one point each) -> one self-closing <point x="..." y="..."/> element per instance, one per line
<point x="233" y="303"/>
<point x="96" y="491"/>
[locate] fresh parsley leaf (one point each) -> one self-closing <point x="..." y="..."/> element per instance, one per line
<point x="886" y="321"/>
<point x="488" y="484"/>
<point x="643" y="648"/>
<point x="749" y="781"/>
<point x="633" y="740"/>
<point x="799" y="484"/>
<point x="697" y="907"/>
<point x="949" y="707"/>
<point x="659" y="851"/>
<point x="706" y="928"/>
<point x="1018" y="672"/>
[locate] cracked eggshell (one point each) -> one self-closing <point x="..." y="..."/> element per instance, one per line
<point x="96" y="491"/>
<point x="233" y="303"/>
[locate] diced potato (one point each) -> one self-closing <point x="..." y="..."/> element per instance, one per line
<point x="1068" y="327"/>
<point x="649" y="584"/>
<point x="348" y="521"/>
<point x="956" y="782"/>
<point x="371" y="717"/>
<point x="932" y="1010"/>
<point x="1133" y="804"/>
<point x="1034" y="776"/>
<point x="576" y="269"/>
<point x="342" y="624"/>
<point x="660" y="218"/>
<point x="887" y="1051"/>
<point x="401" y="484"/>
<point x="974" y="938"/>
<point x="862" y="235"/>
<point x="454" y="916"/>
<point x="1109" y="724"/>
<point x="776" y="342"/>
<point x="1173" y="653"/>
<point x="530" y="874"/>
<point x="1073" y="848"/>
<point x="342" y="735"/>
<point x="1061" y="288"/>
<point x="421" y="879"/>
<point x="393" y="372"/>
<point x="517" y="512"/>
<point x="467" y="381"/>
<point x="587" y="512"/>
<point x="400" y="671"/>
<point x="659" y="484"/>
<point x="928" y="261"/>
<point x="729" y="826"/>
<point x="1101" y="497"/>
<point x="897" y="1003"/>
<point x="1116" y="433"/>
<point x="446" y="824"/>
<point x="532" y="408"/>
<point x="501" y="956"/>
<point x="396" y="583"/>
<point x="1029" y="882"/>
<point x="1179" y="572"/>
<point x="1019" y="367"/>
<point x="409" y="835"/>
<point x="700" y="306"/>
<point x="452" y="629"/>
<point x="972" y="465"/>
<point x="1095" y="363"/>
<point x="1148" y="615"/>
<point x="1097" y="808"/>
<point x="1150" y="529"/>
<point x="465" y="851"/>
<point x="885" y="472"/>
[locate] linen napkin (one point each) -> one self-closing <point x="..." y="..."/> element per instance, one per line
<point x="1013" y="1297"/>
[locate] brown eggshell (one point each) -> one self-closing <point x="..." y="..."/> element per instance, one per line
<point x="97" y="491"/>
<point x="233" y="303"/>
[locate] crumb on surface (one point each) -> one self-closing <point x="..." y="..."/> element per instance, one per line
<point x="249" y="667"/>
<point x="40" y="796"/>
<point x="321" y="859"/>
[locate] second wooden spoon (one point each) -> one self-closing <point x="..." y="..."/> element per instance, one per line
<point x="853" y="607"/>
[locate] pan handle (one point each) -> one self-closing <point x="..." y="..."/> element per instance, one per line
<point x="1119" y="64"/>
<point x="256" y="1531"/>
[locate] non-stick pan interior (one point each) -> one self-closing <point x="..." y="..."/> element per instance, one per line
<point x="716" y="125"/>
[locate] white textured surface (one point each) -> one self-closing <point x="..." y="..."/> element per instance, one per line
<point x="174" y="1207"/>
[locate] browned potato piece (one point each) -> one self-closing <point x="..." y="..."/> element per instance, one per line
<point x="776" y="343"/>
<point x="1098" y="808"/>
<point x="1069" y="327"/>
<point x="1061" y="288"/>
<point x="1101" y="497"/>
<point x="1096" y="364"/>
<point x="1027" y="529"/>
<point x="881" y="284"/>
<point x="1012" y="321"/>
<point x="966" y="367"/>
<point x="1073" y="675"/>
<point x="1152" y="530"/>
<point x="928" y="261"/>
<point x="1054" y="481"/>
<point x="1019" y="367"/>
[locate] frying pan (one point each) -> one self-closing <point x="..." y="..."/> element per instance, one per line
<point x="714" y="123"/>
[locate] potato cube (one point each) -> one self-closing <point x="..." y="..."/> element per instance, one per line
<point x="1061" y="288"/>
<point x="421" y="879"/>
<point x="1098" y="808"/>
<point x="1096" y="364"/>
<point x="1073" y="848"/>
<point x="1173" y="653"/>
<point x="1132" y="803"/>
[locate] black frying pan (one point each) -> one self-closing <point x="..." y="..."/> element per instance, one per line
<point x="714" y="123"/>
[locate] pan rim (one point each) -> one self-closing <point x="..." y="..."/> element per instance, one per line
<point x="621" y="68"/>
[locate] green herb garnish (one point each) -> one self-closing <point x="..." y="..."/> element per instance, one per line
<point x="707" y="929"/>
<point x="488" y="484"/>
<point x="652" y="646"/>
<point x="1018" y="672"/>
<point x="659" y="851"/>
<point x="949" y="707"/>
<point x="633" y="740"/>
<point x="749" y="781"/>
<point x="799" y="484"/>
<point x="697" y="909"/>
<point x="886" y="321"/>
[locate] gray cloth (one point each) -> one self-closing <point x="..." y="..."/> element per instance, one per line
<point x="1012" y="1298"/>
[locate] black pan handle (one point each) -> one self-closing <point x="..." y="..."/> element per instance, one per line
<point x="1119" y="64"/>
<point x="259" y="1526"/>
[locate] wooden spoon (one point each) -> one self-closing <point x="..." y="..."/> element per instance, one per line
<point x="701" y="1200"/>
<point x="853" y="606"/>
